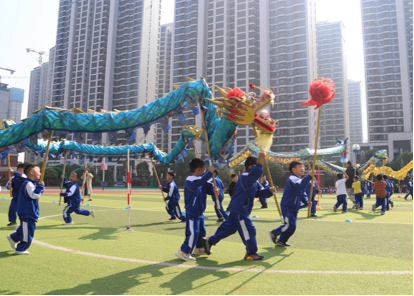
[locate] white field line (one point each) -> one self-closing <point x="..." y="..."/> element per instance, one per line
<point x="219" y="268"/>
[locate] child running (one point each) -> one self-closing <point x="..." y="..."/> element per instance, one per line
<point x="221" y="214"/>
<point x="28" y="210"/>
<point x="195" y="196"/>
<point x="173" y="197"/>
<point x="293" y="195"/>
<point x="240" y="207"/>
<point x="359" y="195"/>
<point x="73" y="199"/>
<point x="341" y="192"/>
<point x="409" y="188"/>
<point x="16" y="181"/>
<point x="263" y="200"/>
<point x="390" y="190"/>
<point x="381" y="189"/>
<point x="314" y="192"/>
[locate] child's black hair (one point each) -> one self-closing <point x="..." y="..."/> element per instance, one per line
<point x="28" y="168"/>
<point x="233" y="175"/>
<point x="356" y="178"/>
<point x="340" y="175"/>
<point x="216" y="172"/>
<point x="250" y="161"/>
<point x="385" y="177"/>
<point x="76" y="173"/>
<point x="293" y="164"/>
<point x="349" y="162"/>
<point x="171" y="173"/>
<point x="196" y="163"/>
<point x="379" y="177"/>
<point x="21" y="166"/>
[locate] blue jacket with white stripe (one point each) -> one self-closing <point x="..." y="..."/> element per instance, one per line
<point x="17" y="181"/>
<point x="28" y="203"/>
<point x="294" y="193"/>
<point x="72" y="193"/>
<point x="246" y="189"/>
<point x="195" y="194"/>
<point x="220" y="186"/>
<point x="173" y="192"/>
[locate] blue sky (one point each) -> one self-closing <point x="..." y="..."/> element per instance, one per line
<point x="33" y="23"/>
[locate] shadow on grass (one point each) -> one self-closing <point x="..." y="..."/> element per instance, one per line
<point x="6" y="254"/>
<point x="118" y="283"/>
<point x="5" y="292"/>
<point x="100" y="234"/>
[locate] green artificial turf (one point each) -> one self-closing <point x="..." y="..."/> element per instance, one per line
<point x="371" y="243"/>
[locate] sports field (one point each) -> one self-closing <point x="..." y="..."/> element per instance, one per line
<point x="371" y="255"/>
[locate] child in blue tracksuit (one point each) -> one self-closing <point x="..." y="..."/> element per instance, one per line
<point x="173" y="197"/>
<point x="240" y="207"/>
<point x="409" y="188"/>
<point x="369" y="189"/>
<point x="263" y="200"/>
<point x="293" y="195"/>
<point x="73" y="198"/>
<point x="28" y="210"/>
<point x="195" y="197"/>
<point x="16" y="180"/>
<point x="314" y="201"/>
<point x="221" y="214"/>
<point x="390" y="191"/>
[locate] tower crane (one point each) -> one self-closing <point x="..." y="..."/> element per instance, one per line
<point x="41" y="53"/>
<point x="7" y="69"/>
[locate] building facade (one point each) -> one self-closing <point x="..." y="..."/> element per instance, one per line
<point x="355" y="112"/>
<point x="265" y="42"/>
<point x="4" y="101"/>
<point x="388" y="54"/>
<point x="332" y="63"/>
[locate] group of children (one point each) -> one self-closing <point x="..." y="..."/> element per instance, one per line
<point x="26" y="191"/>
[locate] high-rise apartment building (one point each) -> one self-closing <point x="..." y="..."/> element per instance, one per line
<point x="355" y="112"/>
<point x="332" y="63"/>
<point x="388" y="53"/>
<point x="265" y="42"/>
<point x="11" y="101"/>
<point x="165" y="78"/>
<point x="107" y="55"/>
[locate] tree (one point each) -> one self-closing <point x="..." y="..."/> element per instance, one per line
<point x="278" y="174"/>
<point x="51" y="175"/>
<point x="143" y="169"/>
<point x="401" y="160"/>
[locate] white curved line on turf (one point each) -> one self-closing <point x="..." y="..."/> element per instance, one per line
<point x="217" y="268"/>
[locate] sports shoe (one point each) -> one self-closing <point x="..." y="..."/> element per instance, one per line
<point x="90" y="199"/>
<point x="21" y="252"/>
<point x="313" y="215"/>
<point x="254" y="256"/>
<point x="334" y="208"/>
<point x="373" y="208"/>
<point x="273" y="237"/>
<point x="382" y="213"/>
<point x="361" y="208"/>
<point x="356" y="207"/>
<point x="220" y="220"/>
<point x="69" y="223"/>
<point x="207" y="245"/>
<point x="12" y="242"/>
<point x="392" y="204"/>
<point x="282" y="244"/>
<point x="200" y="251"/>
<point x="184" y="256"/>
<point x="264" y="207"/>
<point x="173" y="218"/>
<point x="12" y="224"/>
<point x="92" y="213"/>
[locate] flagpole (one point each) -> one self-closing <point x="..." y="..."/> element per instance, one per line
<point x="9" y="167"/>
<point x="63" y="174"/>
<point x="314" y="159"/>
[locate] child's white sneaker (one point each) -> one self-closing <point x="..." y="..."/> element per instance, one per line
<point x="382" y="213"/>
<point x="92" y="213"/>
<point x="21" y="252"/>
<point x="184" y="256"/>
<point x="69" y="223"/>
<point x="12" y="242"/>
